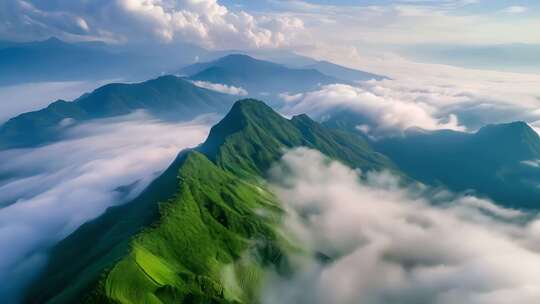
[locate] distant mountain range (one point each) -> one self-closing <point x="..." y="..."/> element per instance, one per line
<point x="196" y="222"/>
<point x="284" y="57"/>
<point x="268" y="79"/>
<point x="498" y="161"/>
<point x="56" y="60"/>
<point x="167" y="97"/>
<point x="258" y="77"/>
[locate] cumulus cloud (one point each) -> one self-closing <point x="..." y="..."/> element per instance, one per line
<point x="48" y="192"/>
<point x="475" y="103"/>
<point x="383" y="111"/>
<point x="27" y="97"/>
<point x="222" y="88"/>
<point x="203" y="22"/>
<point x="383" y="243"/>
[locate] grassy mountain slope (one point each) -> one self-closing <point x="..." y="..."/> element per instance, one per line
<point x="94" y="248"/>
<point x="165" y="97"/>
<point x="258" y="76"/>
<point x="215" y="230"/>
<point x="212" y="223"/>
<point x="491" y="161"/>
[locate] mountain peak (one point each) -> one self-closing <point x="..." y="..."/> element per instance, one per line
<point x="301" y="117"/>
<point x="243" y="113"/>
<point x="254" y="131"/>
<point x="249" y="110"/>
<point x="517" y="131"/>
<point x="53" y="41"/>
<point x="515" y="140"/>
<point x="241" y="61"/>
<point x="248" y="105"/>
<point x="237" y="56"/>
<point x="512" y="127"/>
<point x="169" y="79"/>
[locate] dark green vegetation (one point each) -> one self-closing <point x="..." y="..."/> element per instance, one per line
<point x="166" y="97"/>
<point x="491" y="161"/>
<point x="258" y="76"/>
<point x="215" y="230"/>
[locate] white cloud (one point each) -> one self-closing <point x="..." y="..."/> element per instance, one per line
<point x="290" y="98"/>
<point x="515" y="9"/>
<point x="52" y="190"/>
<point x="532" y="163"/>
<point x="411" y="22"/>
<point x="385" y="112"/>
<point x="222" y="88"/>
<point x="388" y="244"/>
<point x="203" y="22"/>
<point x="476" y="97"/>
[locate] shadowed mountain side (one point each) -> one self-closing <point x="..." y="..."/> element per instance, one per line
<point x="498" y="161"/>
<point x="166" y="97"/>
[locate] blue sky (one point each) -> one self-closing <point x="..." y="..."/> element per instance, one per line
<point x="315" y="27"/>
<point x="481" y="6"/>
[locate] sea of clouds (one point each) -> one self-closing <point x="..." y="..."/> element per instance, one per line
<point x="49" y="191"/>
<point x="391" y="106"/>
<point x="393" y="244"/>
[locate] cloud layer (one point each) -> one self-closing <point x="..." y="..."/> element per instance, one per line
<point x="382" y="112"/>
<point x="222" y="88"/>
<point x="203" y="22"/>
<point x="443" y="99"/>
<point x="389" y="244"/>
<point x="48" y="192"/>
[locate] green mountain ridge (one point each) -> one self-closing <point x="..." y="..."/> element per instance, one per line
<point x="215" y="231"/>
<point x="166" y="97"/>
<point x="269" y="132"/>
